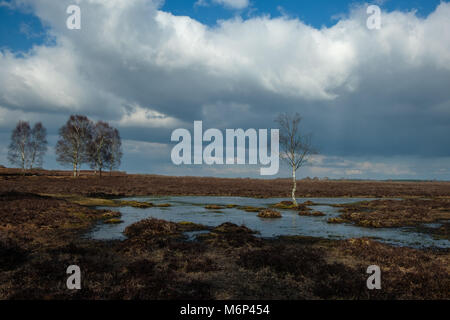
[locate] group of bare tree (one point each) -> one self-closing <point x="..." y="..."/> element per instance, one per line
<point x="83" y="141"/>
<point x="28" y="145"/>
<point x="100" y="146"/>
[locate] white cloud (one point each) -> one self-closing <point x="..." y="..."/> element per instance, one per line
<point x="353" y="172"/>
<point x="354" y="86"/>
<point x="145" y="117"/>
<point x="356" y="167"/>
<point x="145" y="148"/>
<point x="283" y="56"/>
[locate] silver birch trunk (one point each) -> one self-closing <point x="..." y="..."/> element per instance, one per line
<point x="294" y="186"/>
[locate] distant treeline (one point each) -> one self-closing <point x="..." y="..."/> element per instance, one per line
<point x="81" y="141"/>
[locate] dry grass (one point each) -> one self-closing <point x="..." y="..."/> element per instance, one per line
<point x="269" y="213"/>
<point x="134" y="185"/>
<point x="395" y="213"/>
<point x="40" y="238"/>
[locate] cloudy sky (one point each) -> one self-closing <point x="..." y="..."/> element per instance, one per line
<point x="376" y="101"/>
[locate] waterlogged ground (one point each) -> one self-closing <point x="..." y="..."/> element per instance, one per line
<point x="40" y="237"/>
<point x="192" y="209"/>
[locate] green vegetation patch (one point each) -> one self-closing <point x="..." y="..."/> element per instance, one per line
<point x="251" y="209"/>
<point x="214" y="207"/>
<point x="289" y="205"/>
<point x="113" y="221"/>
<point x="101" y="202"/>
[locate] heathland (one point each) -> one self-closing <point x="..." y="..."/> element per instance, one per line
<point x="44" y="215"/>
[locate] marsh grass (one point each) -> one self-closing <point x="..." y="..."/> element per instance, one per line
<point x="228" y="262"/>
<point x="394" y="213"/>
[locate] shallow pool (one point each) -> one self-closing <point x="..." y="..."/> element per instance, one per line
<point x="192" y="209"/>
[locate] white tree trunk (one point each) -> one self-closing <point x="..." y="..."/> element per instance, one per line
<point x="294" y="187"/>
<point x="22" y="155"/>
<point x="74" y="169"/>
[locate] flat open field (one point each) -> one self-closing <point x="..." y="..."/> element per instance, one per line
<point x="41" y="235"/>
<point x="134" y="185"/>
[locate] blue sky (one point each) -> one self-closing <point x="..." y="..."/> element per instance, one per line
<point x="20" y="30"/>
<point x="317" y="13"/>
<point x="377" y="102"/>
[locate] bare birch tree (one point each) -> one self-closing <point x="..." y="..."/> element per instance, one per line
<point x="100" y="146"/>
<point x="114" y="155"/>
<point x="72" y="147"/>
<point x="295" y="146"/>
<point x="28" y="146"/>
<point x="18" y="150"/>
<point x="38" y="145"/>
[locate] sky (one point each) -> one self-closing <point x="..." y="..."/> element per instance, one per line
<point x="377" y="101"/>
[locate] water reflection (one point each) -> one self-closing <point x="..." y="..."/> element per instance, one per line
<point x="192" y="209"/>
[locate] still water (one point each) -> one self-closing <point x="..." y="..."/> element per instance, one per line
<point x="192" y="209"/>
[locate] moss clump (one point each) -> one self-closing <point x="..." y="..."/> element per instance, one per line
<point x="284" y="205"/>
<point x="93" y="202"/>
<point x="100" y="202"/>
<point x="111" y="214"/>
<point x="289" y="205"/>
<point x="163" y="205"/>
<point x="269" y="213"/>
<point x="309" y="213"/>
<point x="369" y="223"/>
<point x="213" y="207"/>
<point x="113" y="221"/>
<point x="336" y="220"/>
<point x="251" y="209"/>
<point x="134" y="204"/>
<point x="184" y="223"/>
